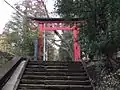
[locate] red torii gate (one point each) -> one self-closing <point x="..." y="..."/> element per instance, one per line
<point x="43" y="26"/>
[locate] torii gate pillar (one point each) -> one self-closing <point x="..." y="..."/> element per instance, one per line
<point x="76" y="45"/>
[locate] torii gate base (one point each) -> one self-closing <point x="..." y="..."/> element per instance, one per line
<point x="45" y="26"/>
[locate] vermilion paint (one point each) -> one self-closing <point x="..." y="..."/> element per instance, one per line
<point x="57" y="28"/>
<point x="75" y="34"/>
<point x="40" y="40"/>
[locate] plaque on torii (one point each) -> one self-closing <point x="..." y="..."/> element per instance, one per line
<point x="52" y="24"/>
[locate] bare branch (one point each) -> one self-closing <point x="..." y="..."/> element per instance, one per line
<point x="13" y="8"/>
<point x="55" y="40"/>
<point x="50" y="42"/>
<point x="49" y="16"/>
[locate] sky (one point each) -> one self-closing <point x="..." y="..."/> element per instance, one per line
<point x="6" y="11"/>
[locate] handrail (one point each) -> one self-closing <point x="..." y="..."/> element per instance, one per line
<point x="7" y="70"/>
<point x="21" y="74"/>
<point x="85" y="67"/>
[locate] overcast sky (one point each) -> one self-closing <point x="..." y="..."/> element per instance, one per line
<point x="6" y="11"/>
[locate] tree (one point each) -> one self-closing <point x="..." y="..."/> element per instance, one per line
<point x="99" y="36"/>
<point x="66" y="54"/>
<point x="19" y="30"/>
<point x="20" y="35"/>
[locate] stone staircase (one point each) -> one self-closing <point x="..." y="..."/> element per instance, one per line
<point x="54" y="75"/>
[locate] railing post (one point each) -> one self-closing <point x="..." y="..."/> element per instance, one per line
<point x="44" y="46"/>
<point x="36" y="49"/>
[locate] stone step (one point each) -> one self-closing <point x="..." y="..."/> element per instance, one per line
<point x="53" y="87"/>
<point x="56" y="73"/>
<point x="54" y="82"/>
<point x="38" y="77"/>
<point x="53" y="67"/>
<point x="42" y="66"/>
<point x="53" y="70"/>
<point x="53" y="63"/>
<point x="31" y="89"/>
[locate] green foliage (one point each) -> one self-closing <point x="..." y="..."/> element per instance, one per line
<point x="100" y="36"/>
<point x="3" y="60"/>
<point x="19" y="38"/>
<point x="4" y="57"/>
<point x="102" y="28"/>
<point x="109" y="82"/>
<point x="19" y="33"/>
